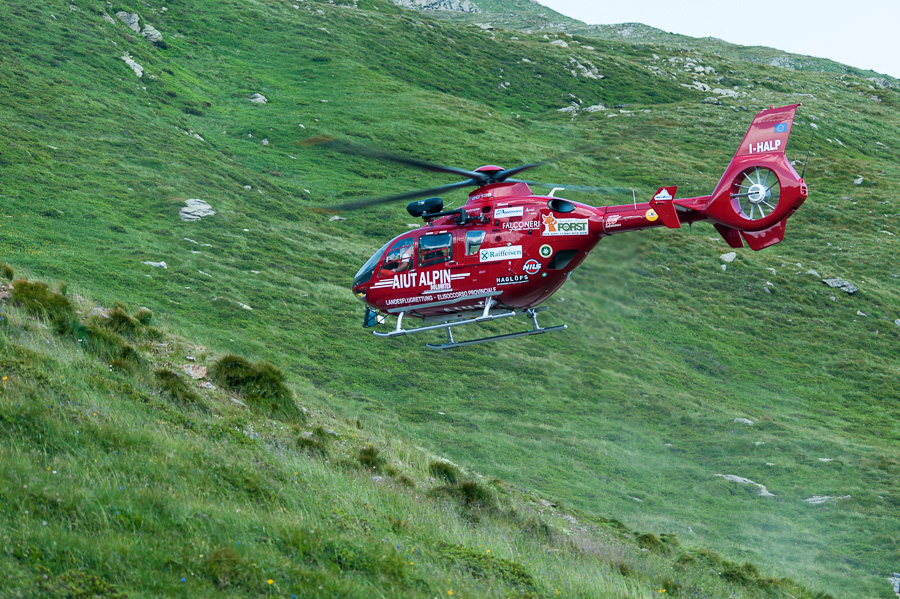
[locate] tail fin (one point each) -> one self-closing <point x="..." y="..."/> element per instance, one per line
<point x="760" y="189"/>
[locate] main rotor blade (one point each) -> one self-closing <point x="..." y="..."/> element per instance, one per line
<point x="504" y="175"/>
<point x="582" y="188"/>
<point x="403" y="196"/>
<point x="351" y="148"/>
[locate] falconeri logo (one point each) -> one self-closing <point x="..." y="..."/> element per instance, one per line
<point x="513" y="252"/>
<point x="563" y="226"/>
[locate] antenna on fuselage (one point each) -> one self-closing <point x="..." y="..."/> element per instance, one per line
<point x="634" y="199"/>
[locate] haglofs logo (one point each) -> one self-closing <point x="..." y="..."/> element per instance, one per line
<point x="563" y="226"/>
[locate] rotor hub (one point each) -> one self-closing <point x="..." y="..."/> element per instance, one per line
<point x="758" y="193"/>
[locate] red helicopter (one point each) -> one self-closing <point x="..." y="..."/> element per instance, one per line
<point x="507" y="250"/>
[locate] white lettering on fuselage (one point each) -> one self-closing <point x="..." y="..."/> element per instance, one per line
<point x="765" y="146"/>
<point x="435" y="280"/>
<point x="522" y="225"/>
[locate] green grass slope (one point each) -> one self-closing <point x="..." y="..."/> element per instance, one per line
<point x="629" y="414"/>
<point x="123" y="477"/>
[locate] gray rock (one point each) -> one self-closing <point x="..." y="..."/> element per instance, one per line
<point x="108" y="18"/>
<point x="151" y="34"/>
<point x="763" y="491"/>
<point x="258" y="99"/>
<point x="156" y="264"/>
<point x="841" y="284"/>
<point x="195" y="371"/>
<point x="138" y="69"/>
<point x="746" y="421"/>
<point x="560" y="43"/>
<point x="728" y="258"/>
<point x="132" y="19"/>
<point x="448" y="5"/>
<point x="306" y="435"/>
<point x="820" y="499"/>
<point x="897" y="322"/>
<point x="858" y="181"/>
<point x="195" y="210"/>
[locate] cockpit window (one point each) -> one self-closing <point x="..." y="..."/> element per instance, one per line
<point x="473" y="241"/>
<point x="398" y="259"/>
<point x="365" y="273"/>
<point x="434" y="249"/>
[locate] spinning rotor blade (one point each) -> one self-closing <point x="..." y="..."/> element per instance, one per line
<point x="350" y="148"/>
<point x="403" y="196"/>
<point x="582" y="188"/>
<point x="504" y="175"/>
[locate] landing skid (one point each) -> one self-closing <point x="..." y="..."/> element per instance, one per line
<point x="485" y="316"/>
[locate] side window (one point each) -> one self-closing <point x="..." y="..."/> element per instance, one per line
<point x="434" y="249"/>
<point x="473" y="241"/>
<point x="398" y="259"/>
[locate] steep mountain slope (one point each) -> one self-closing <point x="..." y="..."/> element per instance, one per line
<point x="638" y="400"/>
<point x="530" y="16"/>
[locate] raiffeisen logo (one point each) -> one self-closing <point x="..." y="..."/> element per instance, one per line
<point x="513" y="252"/>
<point x="563" y="226"/>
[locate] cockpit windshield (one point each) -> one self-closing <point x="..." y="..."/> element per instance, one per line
<point x="365" y="273"/>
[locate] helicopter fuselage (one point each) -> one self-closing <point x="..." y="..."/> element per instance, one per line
<point x="510" y="246"/>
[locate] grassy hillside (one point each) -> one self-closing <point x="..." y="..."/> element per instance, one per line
<point x="629" y="415"/>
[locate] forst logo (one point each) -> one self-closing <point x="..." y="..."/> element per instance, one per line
<point x="563" y="226"/>
<point x="549" y="224"/>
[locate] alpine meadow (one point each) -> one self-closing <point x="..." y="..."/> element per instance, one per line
<point x="190" y="407"/>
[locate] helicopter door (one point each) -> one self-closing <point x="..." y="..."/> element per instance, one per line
<point x="435" y="260"/>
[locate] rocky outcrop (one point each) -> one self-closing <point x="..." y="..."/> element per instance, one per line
<point x="138" y="69"/>
<point x="151" y="34"/>
<point x="763" y="491"/>
<point x="132" y="19"/>
<point x="195" y="210"/>
<point x="448" y="5"/>
<point x="841" y="284"/>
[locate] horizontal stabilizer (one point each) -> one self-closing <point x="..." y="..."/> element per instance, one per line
<point x="732" y="236"/>
<point x="758" y="240"/>
<point x="663" y="202"/>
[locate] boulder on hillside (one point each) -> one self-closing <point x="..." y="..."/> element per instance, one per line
<point x="841" y="284"/>
<point x="151" y="34"/>
<point x="132" y="19"/>
<point x="195" y="210"/>
<point x="259" y="99"/>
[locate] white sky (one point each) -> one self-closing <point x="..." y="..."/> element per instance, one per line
<point x="862" y="34"/>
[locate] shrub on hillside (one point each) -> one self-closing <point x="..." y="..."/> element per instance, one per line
<point x="7" y="271"/>
<point x="470" y="495"/>
<point x="39" y="300"/>
<point x="313" y="446"/>
<point x="175" y="388"/>
<point x="444" y="471"/>
<point x="368" y="457"/>
<point x="262" y="384"/>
